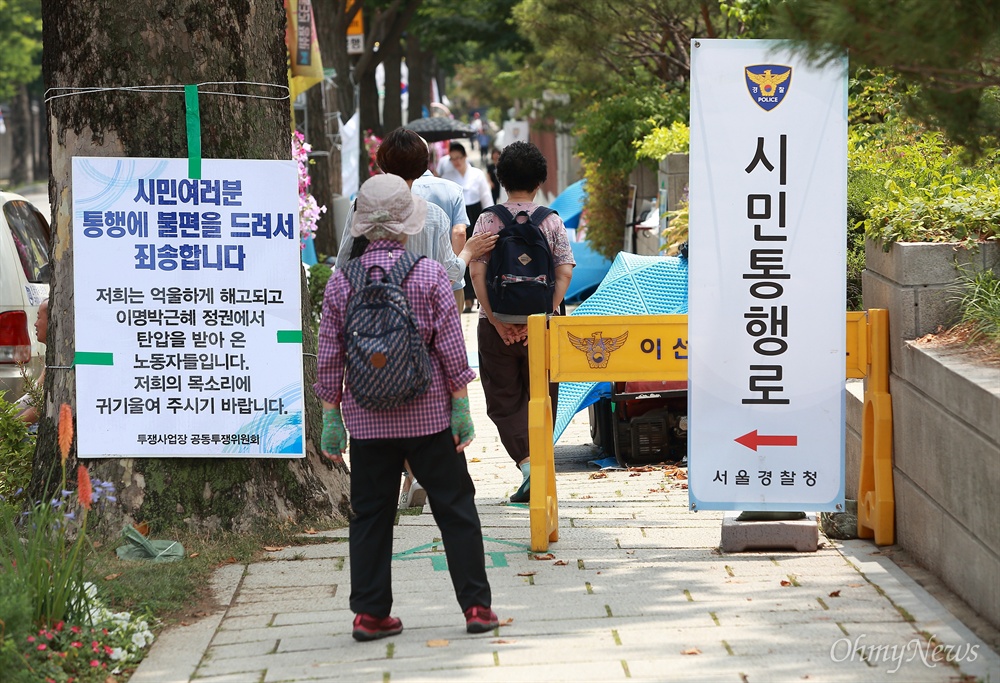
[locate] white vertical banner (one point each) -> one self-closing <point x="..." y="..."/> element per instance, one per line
<point x="187" y="308"/>
<point x="766" y="321"/>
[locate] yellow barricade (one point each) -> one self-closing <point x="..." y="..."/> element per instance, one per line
<point x="654" y="347"/>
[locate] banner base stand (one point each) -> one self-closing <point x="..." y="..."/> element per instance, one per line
<point x="800" y="533"/>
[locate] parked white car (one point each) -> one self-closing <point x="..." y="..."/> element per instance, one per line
<point x="24" y="284"/>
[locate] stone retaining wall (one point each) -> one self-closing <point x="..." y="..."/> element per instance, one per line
<point x="946" y="419"/>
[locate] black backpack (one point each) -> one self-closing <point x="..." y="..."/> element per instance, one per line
<point x="521" y="275"/>
<point x="387" y="361"/>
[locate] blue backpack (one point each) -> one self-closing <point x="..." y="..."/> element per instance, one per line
<point x="520" y="275"/>
<point x="388" y="364"/>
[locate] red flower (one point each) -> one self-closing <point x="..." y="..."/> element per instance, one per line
<point x="43" y="646"/>
<point x="94" y="663"/>
<point x="84" y="490"/>
<point x="31" y="639"/>
<point x="74" y="629"/>
<point x="59" y="625"/>
<point x="108" y="650"/>
<point x="76" y="643"/>
<point x="65" y="431"/>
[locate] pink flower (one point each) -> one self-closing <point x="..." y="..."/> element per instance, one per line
<point x="43" y="646"/>
<point x="31" y="639"/>
<point x="76" y="643"/>
<point x="94" y="663"/>
<point x="74" y="629"/>
<point x="59" y="625"/>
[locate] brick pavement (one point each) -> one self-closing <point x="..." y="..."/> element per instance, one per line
<point x="636" y="589"/>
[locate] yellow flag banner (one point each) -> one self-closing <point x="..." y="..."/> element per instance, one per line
<point x="305" y="65"/>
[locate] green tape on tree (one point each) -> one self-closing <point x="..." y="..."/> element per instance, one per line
<point x="91" y="358"/>
<point x="289" y="336"/>
<point x="193" y="118"/>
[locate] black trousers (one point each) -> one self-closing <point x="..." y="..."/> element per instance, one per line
<point x="442" y="471"/>
<point x="504" y="372"/>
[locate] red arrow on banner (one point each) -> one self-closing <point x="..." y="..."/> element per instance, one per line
<point x="752" y="440"/>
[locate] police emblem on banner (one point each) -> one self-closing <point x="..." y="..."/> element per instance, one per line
<point x="598" y="347"/>
<point x="768" y="84"/>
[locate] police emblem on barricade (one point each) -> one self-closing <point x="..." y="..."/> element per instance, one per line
<point x="768" y="84"/>
<point x="598" y="348"/>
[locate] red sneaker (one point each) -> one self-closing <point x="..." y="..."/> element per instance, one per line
<point x="480" y="619"/>
<point x="367" y="627"/>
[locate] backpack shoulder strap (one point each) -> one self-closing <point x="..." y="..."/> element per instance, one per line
<point x="541" y="213"/>
<point x="402" y="267"/>
<point x="501" y="212"/>
<point x="356" y="274"/>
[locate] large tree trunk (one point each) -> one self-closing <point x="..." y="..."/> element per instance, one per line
<point x="22" y="168"/>
<point x="370" y="117"/>
<point x="168" y="42"/>
<point x="392" y="113"/>
<point x="419" y="87"/>
<point x="321" y="102"/>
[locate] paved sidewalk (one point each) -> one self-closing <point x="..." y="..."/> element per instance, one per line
<point x="635" y="588"/>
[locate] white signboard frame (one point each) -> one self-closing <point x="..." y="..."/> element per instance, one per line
<point x="187" y="308"/>
<point x="767" y="278"/>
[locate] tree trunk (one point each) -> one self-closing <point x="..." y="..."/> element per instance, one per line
<point x="321" y="103"/>
<point x="22" y="167"/>
<point x="392" y="113"/>
<point x="370" y="118"/>
<point x="336" y="42"/>
<point x="419" y="87"/>
<point x="38" y="138"/>
<point x="169" y="42"/>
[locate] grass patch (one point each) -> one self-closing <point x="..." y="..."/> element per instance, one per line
<point x="176" y="591"/>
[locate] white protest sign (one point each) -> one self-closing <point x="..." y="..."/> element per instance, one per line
<point x="766" y="323"/>
<point x="187" y="303"/>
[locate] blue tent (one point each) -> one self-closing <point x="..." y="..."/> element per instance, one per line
<point x="569" y="204"/>
<point x="635" y="285"/>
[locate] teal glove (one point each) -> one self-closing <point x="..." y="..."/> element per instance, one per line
<point x="461" y="420"/>
<point x="334" y="440"/>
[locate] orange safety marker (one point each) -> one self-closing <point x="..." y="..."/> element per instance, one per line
<point x="876" y="495"/>
<point x="580" y="348"/>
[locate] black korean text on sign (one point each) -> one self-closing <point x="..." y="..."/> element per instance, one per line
<point x="767" y="325"/>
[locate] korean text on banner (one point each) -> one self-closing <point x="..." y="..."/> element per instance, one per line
<point x="768" y="193"/>
<point x="187" y="308"/>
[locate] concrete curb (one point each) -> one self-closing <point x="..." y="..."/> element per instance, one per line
<point x="175" y="655"/>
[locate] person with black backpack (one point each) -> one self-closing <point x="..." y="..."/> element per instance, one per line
<point x="392" y="370"/>
<point x="528" y="272"/>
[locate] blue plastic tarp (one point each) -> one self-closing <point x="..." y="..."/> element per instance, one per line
<point x="569" y="204"/>
<point x="588" y="273"/>
<point x="635" y="285"/>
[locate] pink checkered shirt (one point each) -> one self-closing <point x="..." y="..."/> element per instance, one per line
<point x="433" y="305"/>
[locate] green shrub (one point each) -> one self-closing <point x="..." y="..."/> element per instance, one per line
<point x="978" y="296"/>
<point x="319" y="274"/>
<point x="909" y="185"/>
<point x="607" y="135"/>
<point x="664" y="140"/>
<point x="17" y="448"/>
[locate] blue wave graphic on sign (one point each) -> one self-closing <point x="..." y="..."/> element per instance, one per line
<point x="280" y="433"/>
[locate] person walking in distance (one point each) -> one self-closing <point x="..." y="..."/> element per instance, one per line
<point x="503" y="352"/>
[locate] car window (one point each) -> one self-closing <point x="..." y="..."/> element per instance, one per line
<point x="31" y="237"/>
